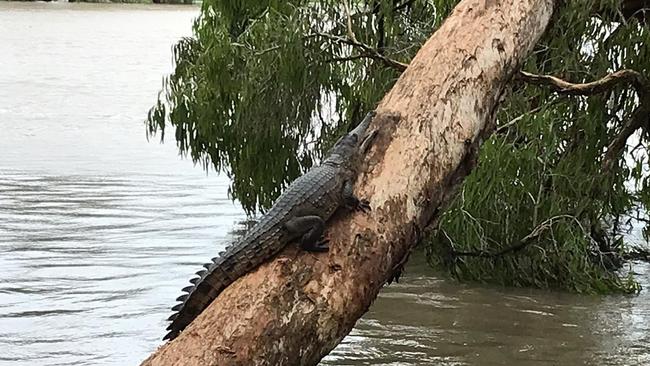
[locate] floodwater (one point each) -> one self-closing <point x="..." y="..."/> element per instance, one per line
<point x="99" y="229"/>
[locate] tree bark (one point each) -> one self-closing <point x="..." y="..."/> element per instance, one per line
<point x="299" y="306"/>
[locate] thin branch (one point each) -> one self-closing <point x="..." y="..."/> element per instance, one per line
<point x="349" y="20"/>
<point x="365" y="50"/>
<point x="345" y="59"/>
<point x="381" y="33"/>
<point x="267" y="50"/>
<point x="595" y="87"/>
<point x="524" y="242"/>
<point x="640" y="117"/>
<point x="513" y="121"/>
<point x="638" y="146"/>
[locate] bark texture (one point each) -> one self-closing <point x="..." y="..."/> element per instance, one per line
<point x="296" y="308"/>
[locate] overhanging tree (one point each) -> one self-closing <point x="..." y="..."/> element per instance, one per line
<point x="296" y="308"/>
<point x="264" y="87"/>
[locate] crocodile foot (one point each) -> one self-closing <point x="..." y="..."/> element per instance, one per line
<point x="319" y="247"/>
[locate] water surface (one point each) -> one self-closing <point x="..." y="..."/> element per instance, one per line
<point x="99" y="229"/>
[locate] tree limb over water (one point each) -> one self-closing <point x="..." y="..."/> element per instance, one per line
<point x="523" y="242"/>
<point x="607" y="83"/>
<point x="639" y="118"/>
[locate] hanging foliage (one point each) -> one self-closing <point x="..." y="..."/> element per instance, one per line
<point x="263" y="88"/>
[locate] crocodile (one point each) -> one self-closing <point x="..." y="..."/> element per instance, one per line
<point x="298" y="215"/>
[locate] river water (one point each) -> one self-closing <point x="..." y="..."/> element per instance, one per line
<point x="99" y="229"/>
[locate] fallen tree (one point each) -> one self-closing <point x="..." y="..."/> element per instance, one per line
<point x="295" y="309"/>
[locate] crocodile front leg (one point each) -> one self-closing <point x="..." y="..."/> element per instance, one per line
<point x="310" y="229"/>
<point x="351" y="201"/>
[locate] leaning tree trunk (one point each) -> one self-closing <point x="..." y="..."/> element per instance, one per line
<point x="296" y="308"/>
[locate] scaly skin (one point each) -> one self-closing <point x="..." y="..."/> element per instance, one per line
<point x="299" y="213"/>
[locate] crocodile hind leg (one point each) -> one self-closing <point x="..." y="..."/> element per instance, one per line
<point x="310" y="229"/>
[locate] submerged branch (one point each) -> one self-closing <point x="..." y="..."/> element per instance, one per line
<point x="524" y="242"/>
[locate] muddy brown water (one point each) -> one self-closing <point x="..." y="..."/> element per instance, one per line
<point x="99" y="229"/>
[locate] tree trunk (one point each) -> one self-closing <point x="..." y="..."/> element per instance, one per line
<point x="296" y="308"/>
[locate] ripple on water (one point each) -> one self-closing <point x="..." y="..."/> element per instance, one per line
<point x="82" y="267"/>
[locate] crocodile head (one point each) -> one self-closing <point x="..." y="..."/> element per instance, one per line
<point x="350" y="145"/>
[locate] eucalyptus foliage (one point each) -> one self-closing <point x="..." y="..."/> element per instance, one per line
<point x="541" y="174"/>
<point x="259" y="94"/>
<point x="264" y="87"/>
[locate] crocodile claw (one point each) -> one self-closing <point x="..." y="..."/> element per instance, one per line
<point x="321" y="246"/>
<point x="363" y="205"/>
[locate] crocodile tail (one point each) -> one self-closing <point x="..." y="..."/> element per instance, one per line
<point x="204" y="289"/>
<point x="224" y="269"/>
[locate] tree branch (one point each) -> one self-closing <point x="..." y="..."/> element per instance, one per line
<point x="595" y="87"/>
<point x="351" y="34"/>
<point x="639" y="118"/>
<point x="524" y="242"/>
<point x="365" y="51"/>
<point x="345" y="59"/>
<point x="516" y="120"/>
